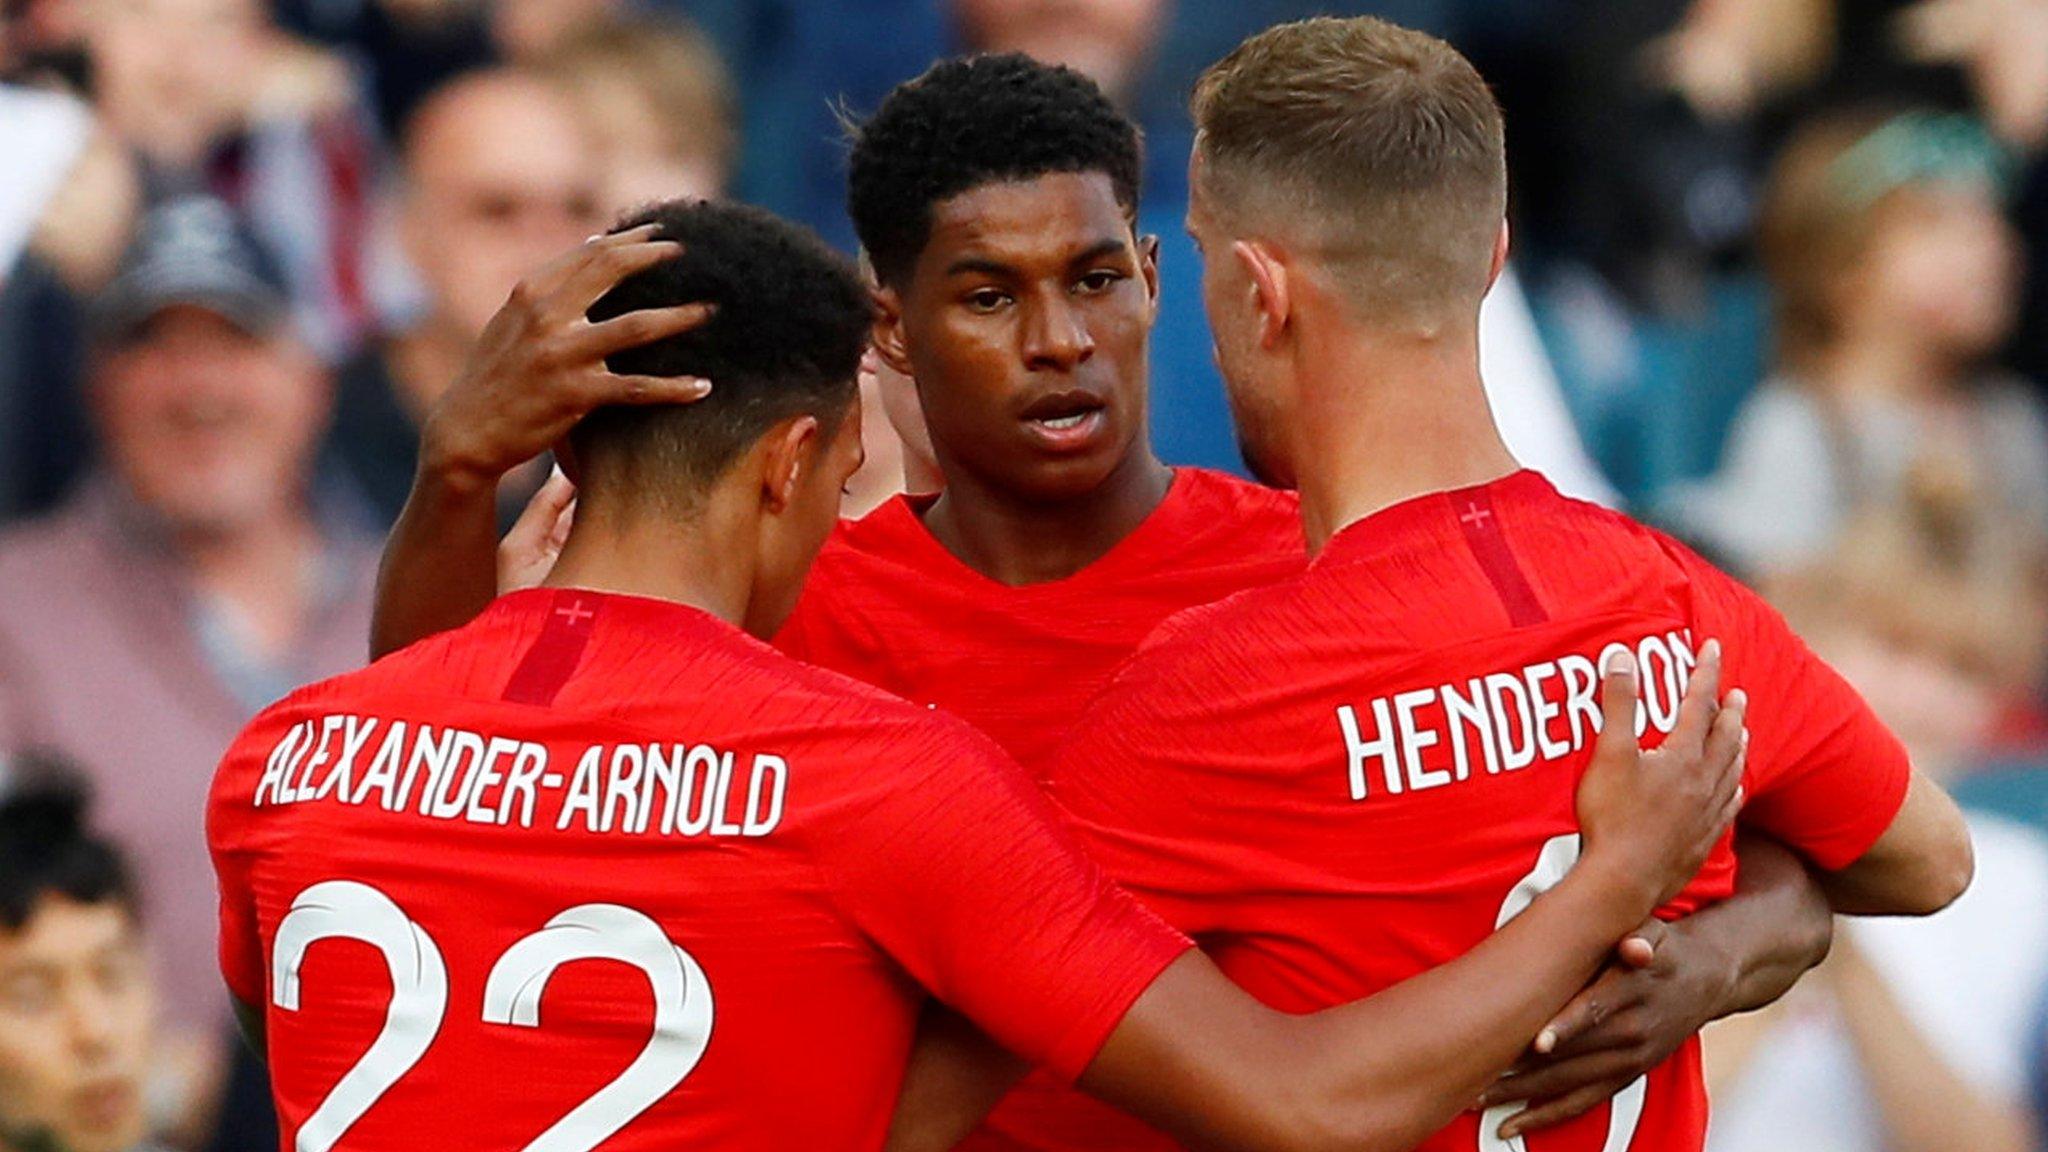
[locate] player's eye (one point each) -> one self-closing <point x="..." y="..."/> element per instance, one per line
<point x="986" y="300"/>
<point x="1099" y="281"/>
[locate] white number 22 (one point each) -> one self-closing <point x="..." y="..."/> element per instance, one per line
<point x="419" y="1001"/>
<point x="1557" y="857"/>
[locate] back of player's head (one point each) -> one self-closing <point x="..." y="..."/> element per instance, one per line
<point x="1373" y="147"/>
<point x="972" y="121"/>
<point x="786" y="340"/>
<point x="46" y="848"/>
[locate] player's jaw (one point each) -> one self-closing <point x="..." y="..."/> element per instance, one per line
<point x="1257" y="413"/>
<point x="801" y="522"/>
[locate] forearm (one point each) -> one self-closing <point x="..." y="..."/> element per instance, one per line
<point x="1921" y="864"/>
<point x="956" y="1076"/>
<point x="1925" y="1105"/>
<point x="1668" y="982"/>
<point x="440" y="563"/>
<point x="1418" y="1054"/>
<point x="1382" y="1073"/>
<point x="1774" y="929"/>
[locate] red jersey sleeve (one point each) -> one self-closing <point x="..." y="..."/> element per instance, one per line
<point x="241" y="944"/>
<point x="955" y="865"/>
<point x="1825" y="776"/>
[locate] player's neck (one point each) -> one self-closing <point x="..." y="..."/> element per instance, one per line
<point x="1019" y="542"/>
<point x="1411" y="419"/>
<point x="658" y="557"/>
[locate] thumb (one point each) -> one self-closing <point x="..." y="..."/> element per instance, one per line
<point x="1639" y="950"/>
<point x="1617" y="706"/>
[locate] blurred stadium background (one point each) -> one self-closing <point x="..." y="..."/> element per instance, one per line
<point x="1780" y="285"/>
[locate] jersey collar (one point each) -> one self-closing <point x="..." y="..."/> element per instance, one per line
<point x="1399" y="522"/>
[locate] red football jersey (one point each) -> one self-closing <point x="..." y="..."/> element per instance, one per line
<point x="1343" y="780"/>
<point x="603" y="872"/>
<point x="887" y="604"/>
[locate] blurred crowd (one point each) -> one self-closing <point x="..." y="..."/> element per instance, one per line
<point x="1780" y="286"/>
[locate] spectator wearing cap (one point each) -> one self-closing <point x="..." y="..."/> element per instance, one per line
<point x="500" y="176"/>
<point x="213" y="95"/>
<point x="190" y="580"/>
<point x="77" y="1001"/>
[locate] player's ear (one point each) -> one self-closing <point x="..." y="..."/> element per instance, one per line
<point x="887" y="333"/>
<point x="1269" y="289"/>
<point x="1148" y="267"/>
<point x="1500" y="256"/>
<point x="787" y="453"/>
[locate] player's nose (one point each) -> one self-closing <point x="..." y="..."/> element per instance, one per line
<point x="1055" y="337"/>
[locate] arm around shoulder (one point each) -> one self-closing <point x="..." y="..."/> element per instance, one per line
<point x="1920" y="865"/>
<point x="1199" y="1058"/>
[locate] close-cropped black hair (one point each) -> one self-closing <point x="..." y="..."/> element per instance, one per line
<point x="791" y="324"/>
<point x="971" y="121"/>
<point x="46" y="849"/>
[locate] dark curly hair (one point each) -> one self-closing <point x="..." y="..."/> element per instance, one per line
<point x="46" y="848"/>
<point x="971" y="121"/>
<point x="787" y="339"/>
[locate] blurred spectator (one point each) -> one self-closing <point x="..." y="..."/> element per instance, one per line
<point x="1110" y="41"/>
<point x="1990" y="54"/>
<point x="526" y="31"/>
<point x="77" y="1002"/>
<point x="896" y="445"/>
<point x="69" y="192"/>
<point x="1916" y="1036"/>
<point x="407" y="48"/>
<point x="1634" y="146"/>
<point x="1896" y="282"/>
<point x="2001" y="48"/>
<point x="661" y="104"/>
<point x="212" y="94"/>
<point x="68" y="199"/>
<point x="1939" y="625"/>
<point x="797" y="62"/>
<point x="192" y="579"/>
<point x="1645" y="125"/>
<point x="500" y="176"/>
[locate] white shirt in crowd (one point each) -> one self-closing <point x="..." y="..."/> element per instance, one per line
<point x="41" y="135"/>
<point x="1972" y="978"/>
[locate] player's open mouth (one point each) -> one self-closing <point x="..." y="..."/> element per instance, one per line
<point x="1066" y="421"/>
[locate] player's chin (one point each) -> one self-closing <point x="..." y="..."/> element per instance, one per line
<point x="1065" y="476"/>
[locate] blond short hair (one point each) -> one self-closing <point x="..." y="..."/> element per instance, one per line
<point x="1376" y="146"/>
<point x="675" y="66"/>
